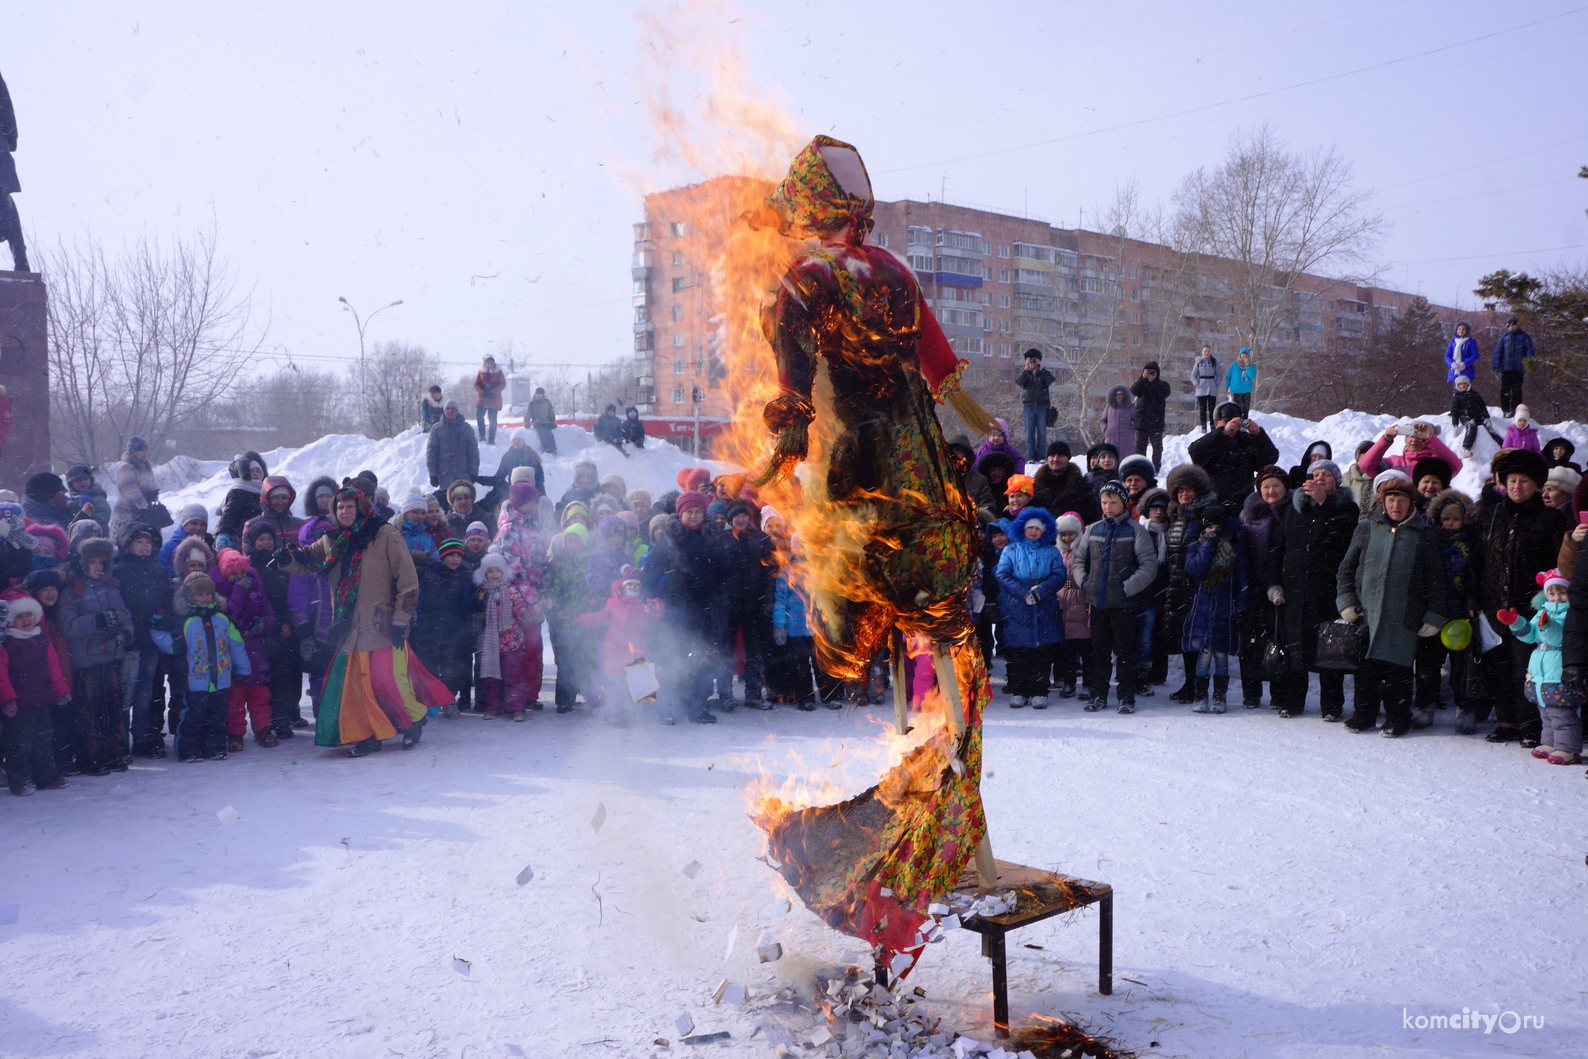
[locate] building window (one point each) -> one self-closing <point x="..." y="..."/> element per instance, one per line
<point x="920" y="262"/>
<point x="1006" y="351"/>
<point x="918" y="237"/>
<point x="678" y="312"/>
<point x="1003" y="301"/>
<point x="679" y="367"/>
<point x="678" y="284"/>
<point x="1135" y="340"/>
<point x="1133" y="273"/>
<point x="985" y="297"/>
<point x="678" y="257"/>
<point x="679" y="339"/>
<point x="986" y="349"/>
<point x="1135" y="295"/>
<point x="1003" y="251"/>
<point x="882" y="240"/>
<point x="1091" y="285"/>
<point x="1003" y="327"/>
<point x="1003" y="273"/>
<point x="986" y="273"/>
<point x="678" y="395"/>
<point x="642" y="315"/>
<point x="680" y="228"/>
<point x="1135" y="318"/>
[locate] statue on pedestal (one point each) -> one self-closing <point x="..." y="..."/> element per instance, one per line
<point x="10" y="223"/>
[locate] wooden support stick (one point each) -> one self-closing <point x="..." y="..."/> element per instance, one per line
<point x="901" y="693"/>
<point x="948" y="683"/>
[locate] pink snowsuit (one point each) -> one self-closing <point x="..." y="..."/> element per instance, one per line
<point x="1374" y="461"/>
<point x="520" y="652"/>
<point x="625" y="620"/>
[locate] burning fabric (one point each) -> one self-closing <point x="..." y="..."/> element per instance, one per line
<point x="892" y="542"/>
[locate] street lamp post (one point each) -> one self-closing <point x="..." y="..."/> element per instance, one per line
<point x="362" y="324"/>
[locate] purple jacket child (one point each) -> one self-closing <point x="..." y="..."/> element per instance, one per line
<point x="248" y="607"/>
<point x="309" y="595"/>
<point x="1002" y="445"/>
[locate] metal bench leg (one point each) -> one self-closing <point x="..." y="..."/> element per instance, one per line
<point x="1000" y="969"/>
<point x="1105" y="944"/>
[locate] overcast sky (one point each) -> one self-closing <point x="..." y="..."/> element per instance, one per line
<point x="483" y="161"/>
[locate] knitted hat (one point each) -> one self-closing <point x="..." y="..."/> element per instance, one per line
<point x="522" y="474"/>
<point x="24" y="605"/>
<point x="1552" y="577"/>
<point x="39" y="580"/>
<point x="520" y="435"/>
<point x="1272" y="471"/>
<point x="1326" y="465"/>
<point x="1523" y="412"/>
<point x="1137" y="465"/>
<point x="488" y="562"/>
<point x="638" y="496"/>
<point x="79" y="470"/>
<point x="1020" y="483"/>
<point x="1069" y="522"/>
<point x="657" y="522"/>
<point x="476" y="529"/>
<point x="629" y="519"/>
<point x="137" y="444"/>
<point x="617" y="480"/>
<point x="717" y="507"/>
<point x="193" y="584"/>
<point x="231" y="561"/>
<point x="693" y="479"/>
<point x="574" y="511"/>
<point x="193" y="513"/>
<point x="521" y="493"/>
<point x="692" y="500"/>
<point x="51" y="534"/>
<point x="580" y="530"/>
<point x="1432" y="465"/>
<point x="43" y="486"/>
<point x="1117" y="488"/>
<point x="1462" y="379"/>
<point x="133" y="532"/>
<point x="415" y="501"/>
<point x="255" y="527"/>
<point x="452" y="402"/>
<point x="81" y="530"/>
<point x="1562" y="477"/>
<point x="1058" y="448"/>
<point x="382" y="495"/>
<point x="450" y="546"/>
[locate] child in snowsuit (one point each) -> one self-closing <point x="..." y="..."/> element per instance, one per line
<point x="32" y="679"/>
<point x="509" y="644"/>
<point x="1559" y="703"/>
<point x="624" y="617"/>
<point x="98" y="625"/>
<point x="250" y="613"/>
<point x="791" y="631"/>
<point x="1216" y="560"/>
<point x="1522" y="434"/>
<point x="215" y="652"/>
<point x="1074" y="653"/>
<point x="444" y="623"/>
<point x="1030" y="574"/>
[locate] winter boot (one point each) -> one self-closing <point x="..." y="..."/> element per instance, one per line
<point x="1422" y="717"/>
<point x="364" y="748"/>
<point x="1466" y="721"/>
<point x="1201" y="699"/>
<point x="1066" y="691"/>
<point x="1144" y="683"/>
<point x="1221" y="693"/>
<point x="234" y="743"/>
<point x="1361" y="720"/>
<point x="1127" y="707"/>
<point x="1098" y="702"/>
<point x="1016" y="701"/>
<point x="1039" y="702"/>
<point x="266" y="738"/>
<point x="1502" y="735"/>
<point x="412" y="734"/>
<point x="1187" y="692"/>
<point x="1543" y="751"/>
<point x="1559" y="757"/>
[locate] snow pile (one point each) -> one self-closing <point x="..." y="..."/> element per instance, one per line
<point x="399" y="463"/>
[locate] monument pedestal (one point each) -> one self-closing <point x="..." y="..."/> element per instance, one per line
<point x="24" y="372"/>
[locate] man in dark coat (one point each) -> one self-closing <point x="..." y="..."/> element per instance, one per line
<point x="1035" y="382"/>
<point x="1059" y="486"/>
<point x="44" y="500"/>
<point x="452" y="451"/>
<point x="1232" y="454"/>
<point x="746" y="601"/>
<point x="685" y="572"/>
<point x="975" y="484"/>
<point x="609" y="428"/>
<point x="1520" y="537"/>
<point x="1313" y="535"/>
<point x="1511" y="354"/>
<point x="1152" y="403"/>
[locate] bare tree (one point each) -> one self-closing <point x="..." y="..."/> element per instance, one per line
<point x="143" y="344"/>
<point x="1273" y="216"/>
<point x="395" y="376"/>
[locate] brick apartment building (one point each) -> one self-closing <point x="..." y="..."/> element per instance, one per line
<point x="1097" y="305"/>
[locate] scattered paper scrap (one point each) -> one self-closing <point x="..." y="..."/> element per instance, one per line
<point x="600" y="816"/>
<point x="460" y="965"/>
<point x="733" y="938"/>
<point x="784" y="905"/>
<point x="768" y="948"/>
<point x="707" y="1038"/>
<point x="9" y="914"/>
<point x="936" y="909"/>
<point x="661" y="1042"/>
<point x="229" y="815"/>
<point x="685" y="1024"/>
<point x="950" y="922"/>
<point x="821" y="1036"/>
<point x="716" y="996"/>
<point x="735" y="995"/>
<point x="901" y="963"/>
<point x="526" y="875"/>
<point x="692" y="869"/>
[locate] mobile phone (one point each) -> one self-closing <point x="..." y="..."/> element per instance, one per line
<point x="1582" y="517"/>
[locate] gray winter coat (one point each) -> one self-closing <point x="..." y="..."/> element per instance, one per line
<point x="453" y="452"/>
<point x="84" y="603"/>
<point x="1114" y="562"/>
<point x="1394" y="574"/>
<point x="1205" y="376"/>
<point x="136" y="489"/>
<point x="540" y="413"/>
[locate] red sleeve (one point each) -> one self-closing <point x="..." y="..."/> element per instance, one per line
<point x="58" y="681"/>
<point x="7" y="692"/>
<point x="938" y="362"/>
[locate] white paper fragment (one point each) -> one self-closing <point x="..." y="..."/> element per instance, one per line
<point x="1026" y="1055"/>
<point x="997" y="1053"/>
<point x="821" y="1036"/>
<point x="9" y="914"/>
<point x="461" y="965"/>
<point x="885" y="891"/>
<point x="950" y="922"/>
<point x="600" y="816"/>
<point x="735" y="995"/>
<point x="901" y="963"/>
<point x="692" y="869"/>
<point x="684" y="1024"/>
<point x="835" y="987"/>
<point x="526" y="875"/>
<point x="768" y="948"/>
<point x="229" y="815"/>
<point x="716" y="995"/>
<point x="733" y="938"/>
<point x="936" y="909"/>
<point x="783" y="906"/>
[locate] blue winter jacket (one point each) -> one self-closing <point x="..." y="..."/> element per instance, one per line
<point x="1025" y="565"/>
<point x="1211" y="624"/>
<point x="1468" y="358"/>
<point x="1545" y="664"/>
<point x="213" y="657"/>
<point x="418" y="538"/>
<point x="1240" y="380"/>
<point x="1511" y="350"/>
<point x="789" y="607"/>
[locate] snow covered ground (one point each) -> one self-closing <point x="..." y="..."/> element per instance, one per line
<point x="1283" y="888"/>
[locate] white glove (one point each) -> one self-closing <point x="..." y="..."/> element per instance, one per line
<point x="1352" y="614"/>
<point x="1031" y="598"/>
<point x="1276" y="596"/>
<point x="1428" y="630"/>
<point x="780" y="636"/>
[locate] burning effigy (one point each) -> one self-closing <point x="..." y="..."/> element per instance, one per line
<point x="892" y="545"/>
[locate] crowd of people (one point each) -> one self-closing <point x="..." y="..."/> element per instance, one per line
<point x="1093" y="581"/>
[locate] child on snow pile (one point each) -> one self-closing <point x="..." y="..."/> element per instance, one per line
<point x="215" y="652"/>
<point x="444" y="623"/>
<point x="1030" y="574"/>
<point x="1469" y="409"/>
<point x="1216" y="560"/>
<point x="624" y="617"/>
<point x="512" y="618"/>
<point x="32" y="679"/>
<point x="250" y="613"/>
<point x="1522" y="434"/>
<point x="1074" y="653"/>
<point x="1116" y="562"/>
<point x="1558" y="702"/>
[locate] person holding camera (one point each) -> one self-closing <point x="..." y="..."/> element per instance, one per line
<point x="1152" y="409"/>
<point x="1233" y="452"/>
<point x="1035" y="402"/>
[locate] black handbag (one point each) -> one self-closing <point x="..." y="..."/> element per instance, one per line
<point x="158" y="516"/>
<point x="1273" y="658"/>
<point x="1051" y="417"/>
<point x="1466" y="676"/>
<point x="1342" y="645"/>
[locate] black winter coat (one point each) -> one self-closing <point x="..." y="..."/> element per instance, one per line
<point x="609" y="428"/>
<point x="240" y="506"/>
<point x="747" y="571"/>
<point x="1070" y="491"/>
<point x="633" y="429"/>
<point x="685" y="572"/>
<point x="513" y="459"/>
<point x="1303" y="558"/>
<point x="1233" y="462"/>
<point x="1469" y="407"/>
<point x="1518" y="541"/>
<point x="15" y="563"/>
<point x="146" y="590"/>
<point x="445" y="614"/>
<point x="1034" y="387"/>
<point x="1152" y="400"/>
